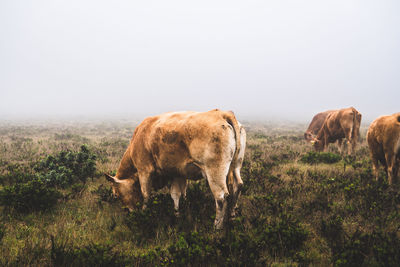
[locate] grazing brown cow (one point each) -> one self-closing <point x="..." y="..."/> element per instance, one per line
<point x="176" y="146"/>
<point x="316" y="125"/>
<point x="383" y="139"/>
<point x="342" y="123"/>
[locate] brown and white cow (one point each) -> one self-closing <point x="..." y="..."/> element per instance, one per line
<point x="176" y="146"/>
<point x="316" y="125"/>
<point x="383" y="139"/>
<point x="342" y="123"/>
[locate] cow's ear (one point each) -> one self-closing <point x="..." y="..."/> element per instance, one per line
<point x="111" y="179"/>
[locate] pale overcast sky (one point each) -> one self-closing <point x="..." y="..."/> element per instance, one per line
<point x="263" y="59"/>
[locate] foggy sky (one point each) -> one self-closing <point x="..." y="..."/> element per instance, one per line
<point x="262" y="59"/>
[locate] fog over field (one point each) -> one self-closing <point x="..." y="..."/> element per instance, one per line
<point x="263" y="59"/>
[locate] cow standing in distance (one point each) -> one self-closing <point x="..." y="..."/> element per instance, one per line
<point x="316" y="125"/>
<point x="342" y="123"/>
<point x="383" y="139"/>
<point x="176" y="146"/>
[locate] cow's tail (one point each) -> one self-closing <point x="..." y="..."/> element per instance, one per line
<point x="355" y="134"/>
<point x="231" y="119"/>
<point x="355" y="131"/>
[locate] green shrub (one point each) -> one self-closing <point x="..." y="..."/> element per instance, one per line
<point x="105" y="193"/>
<point x="152" y="257"/>
<point x="59" y="176"/>
<point x="158" y="214"/>
<point x="332" y="231"/>
<point x="198" y="207"/>
<point x="64" y="254"/>
<point x="369" y="249"/>
<point x="16" y="173"/>
<point x="30" y="196"/>
<point x="240" y="247"/>
<point x="255" y="173"/>
<point x="67" y="167"/>
<point x="2" y="231"/>
<point x="376" y="201"/>
<point x="33" y="253"/>
<point x="192" y="249"/>
<point x="319" y="202"/>
<point x="320" y="157"/>
<point x="283" y="236"/>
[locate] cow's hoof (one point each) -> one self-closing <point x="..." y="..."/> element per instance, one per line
<point x="177" y="214"/>
<point x="233" y="214"/>
<point x="218" y="224"/>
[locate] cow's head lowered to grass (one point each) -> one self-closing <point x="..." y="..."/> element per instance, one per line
<point x="317" y="144"/>
<point x="127" y="190"/>
<point x="308" y="136"/>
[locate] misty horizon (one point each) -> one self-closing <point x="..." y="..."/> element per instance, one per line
<point x="275" y="60"/>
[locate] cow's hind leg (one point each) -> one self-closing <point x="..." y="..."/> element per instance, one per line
<point x="395" y="172"/>
<point x="217" y="181"/>
<point x="237" y="184"/>
<point x="235" y="189"/>
<point x="375" y="166"/>
<point x="340" y="146"/>
<point x="349" y="139"/>
<point x="178" y="188"/>
<point x="391" y="168"/>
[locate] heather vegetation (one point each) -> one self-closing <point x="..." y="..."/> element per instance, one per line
<point x="298" y="207"/>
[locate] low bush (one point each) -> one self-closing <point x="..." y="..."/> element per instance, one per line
<point x="283" y="236"/>
<point x="2" y="231"/>
<point x="198" y="207"/>
<point x="68" y="167"/>
<point x="144" y="223"/>
<point x="369" y="249"/>
<point x="59" y="176"/>
<point x="192" y="249"/>
<point x="104" y="193"/>
<point x="320" y="157"/>
<point x="30" y="196"/>
<point x="240" y="247"/>
<point x="16" y="173"/>
<point x="64" y="254"/>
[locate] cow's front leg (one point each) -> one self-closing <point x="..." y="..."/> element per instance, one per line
<point x="145" y="186"/>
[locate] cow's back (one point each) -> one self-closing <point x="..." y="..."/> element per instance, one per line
<point x="175" y="142"/>
<point x="340" y="121"/>
<point x="333" y="125"/>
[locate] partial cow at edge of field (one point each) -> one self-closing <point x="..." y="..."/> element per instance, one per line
<point x="383" y="138"/>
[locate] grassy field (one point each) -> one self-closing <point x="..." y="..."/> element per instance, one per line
<point x="298" y="208"/>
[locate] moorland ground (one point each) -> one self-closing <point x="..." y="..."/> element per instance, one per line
<point x="298" y="208"/>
